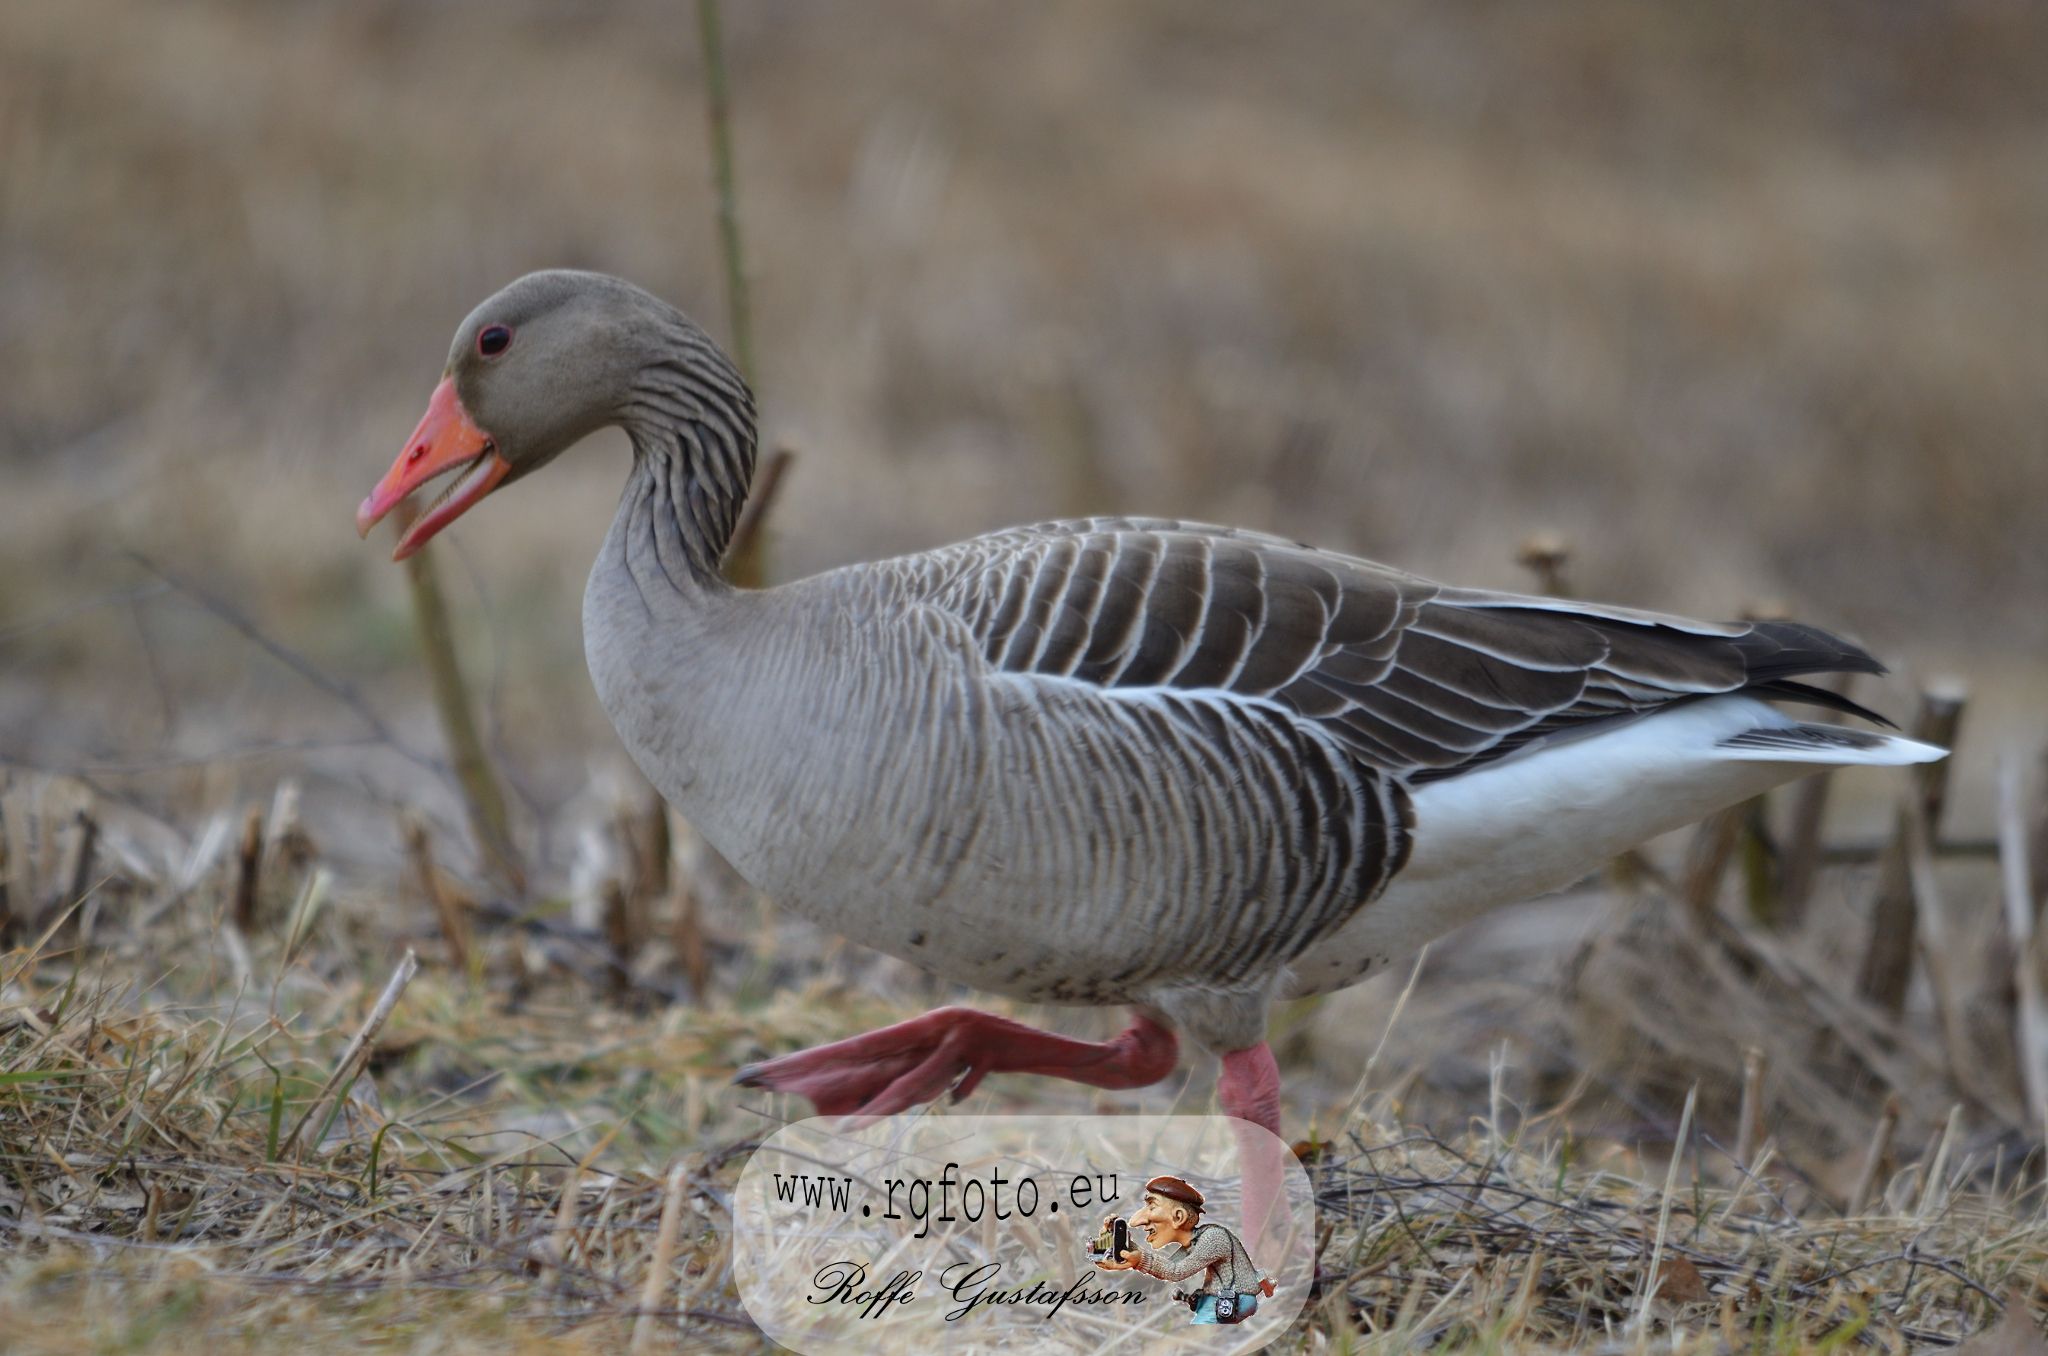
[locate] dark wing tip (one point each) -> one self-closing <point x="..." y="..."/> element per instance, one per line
<point x="1776" y="652"/>
<point x="1778" y="649"/>
<point x="1785" y="689"/>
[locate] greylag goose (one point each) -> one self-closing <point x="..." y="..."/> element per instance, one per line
<point x="1134" y="761"/>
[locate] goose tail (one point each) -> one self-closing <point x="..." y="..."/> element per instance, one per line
<point x="1833" y="745"/>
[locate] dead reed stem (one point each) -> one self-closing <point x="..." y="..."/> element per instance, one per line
<point x="1874" y="1157"/>
<point x="84" y="845"/>
<point x="689" y="942"/>
<point x="746" y="554"/>
<point x="658" y="856"/>
<point x="2037" y="845"/>
<point x="1937" y="938"/>
<point x="1707" y="855"/>
<point x="1934" y="1183"/>
<point x="248" y="873"/>
<point x="482" y="797"/>
<point x="718" y="123"/>
<point x="1800" y="858"/>
<point x="1749" y="1130"/>
<point x="448" y="910"/>
<point x="2030" y="963"/>
<point x="289" y="844"/>
<point x="7" y="919"/>
<point x="622" y="933"/>
<point x="1888" y="958"/>
<point x="1545" y="555"/>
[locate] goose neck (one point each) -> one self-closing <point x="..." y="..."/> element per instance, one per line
<point x="690" y="419"/>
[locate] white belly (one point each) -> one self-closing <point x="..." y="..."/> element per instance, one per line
<point x="1538" y="821"/>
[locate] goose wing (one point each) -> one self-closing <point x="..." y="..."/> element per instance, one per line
<point x="1413" y="679"/>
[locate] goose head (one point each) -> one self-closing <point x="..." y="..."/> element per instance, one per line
<point x="539" y="366"/>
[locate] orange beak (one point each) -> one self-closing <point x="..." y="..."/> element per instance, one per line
<point x="447" y="439"/>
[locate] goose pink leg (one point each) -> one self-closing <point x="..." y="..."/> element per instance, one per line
<point x="1249" y="1089"/>
<point x="905" y="1065"/>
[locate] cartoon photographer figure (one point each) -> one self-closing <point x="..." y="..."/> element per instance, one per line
<point x="1169" y="1241"/>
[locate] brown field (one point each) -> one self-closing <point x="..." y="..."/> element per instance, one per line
<point x="1744" y="302"/>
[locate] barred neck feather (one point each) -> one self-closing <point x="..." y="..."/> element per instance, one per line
<point x="690" y="417"/>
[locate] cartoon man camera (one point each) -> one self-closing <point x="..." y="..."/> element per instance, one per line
<point x="1168" y="1240"/>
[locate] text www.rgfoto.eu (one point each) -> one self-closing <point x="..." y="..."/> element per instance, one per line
<point x="1000" y="1196"/>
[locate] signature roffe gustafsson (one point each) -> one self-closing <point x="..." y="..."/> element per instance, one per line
<point x="972" y="1285"/>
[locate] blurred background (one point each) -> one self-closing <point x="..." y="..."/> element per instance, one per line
<point x="1745" y="303"/>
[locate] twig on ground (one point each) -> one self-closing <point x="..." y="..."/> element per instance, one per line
<point x="357" y="1055"/>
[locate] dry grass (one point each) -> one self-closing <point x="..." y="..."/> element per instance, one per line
<point x="174" y="1176"/>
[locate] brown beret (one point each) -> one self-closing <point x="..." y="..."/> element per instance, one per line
<point x="1174" y="1189"/>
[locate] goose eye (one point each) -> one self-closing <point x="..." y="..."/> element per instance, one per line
<point x="494" y="339"/>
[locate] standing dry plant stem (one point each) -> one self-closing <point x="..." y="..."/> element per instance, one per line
<point x="2030" y="958"/>
<point x="77" y="870"/>
<point x="688" y="937"/>
<point x="449" y="909"/>
<point x="746" y="559"/>
<point x="2037" y="843"/>
<point x="1740" y="833"/>
<point x="1888" y="959"/>
<point x="661" y="1260"/>
<point x="1799" y="865"/>
<point x="1749" y="1131"/>
<point x="718" y="122"/>
<point x="1545" y="555"/>
<point x="1652" y="1273"/>
<point x="635" y="855"/>
<point x="6" y="913"/>
<point x="1937" y="940"/>
<point x="746" y="554"/>
<point x="657" y="863"/>
<point x="481" y="794"/>
<point x="1707" y="855"/>
<point x="1874" y="1157"/>
<point x="248" y="872"/>
<point x="1934" y="1181"/>
<point x="622" y="933"/>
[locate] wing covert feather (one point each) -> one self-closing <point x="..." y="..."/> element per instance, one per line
<point x="1412" y="679"/>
